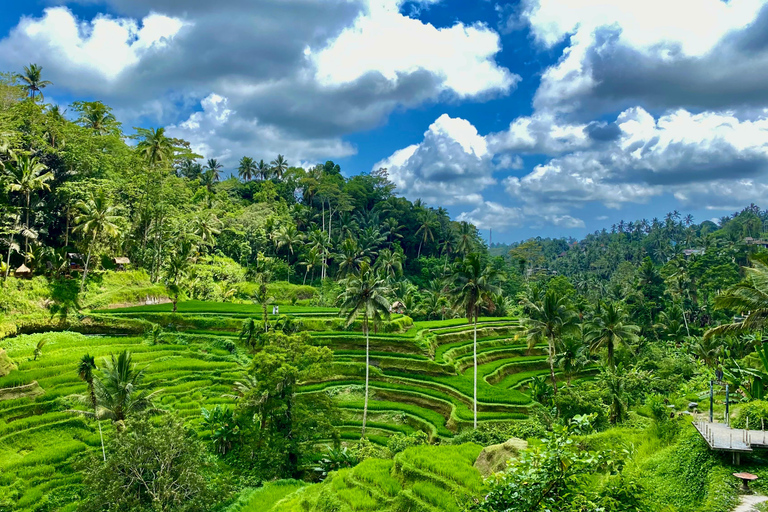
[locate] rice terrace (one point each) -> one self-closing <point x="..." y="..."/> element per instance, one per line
<point x="383" y="256"/>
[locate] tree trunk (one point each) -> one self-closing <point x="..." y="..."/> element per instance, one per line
<point x="552" y="365"/>
<point x="367" y="351"/>
<point x="474" y="351"/>
<point x="8" y="261"/>
<point x="87" y="261"/>
<point x="305" y="276"/>
<point x="66" y="231"/>
<point x="419" y="253"/>
<point x="26" y="236"/>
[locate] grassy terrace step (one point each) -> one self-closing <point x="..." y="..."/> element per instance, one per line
<point x="40" y="442"/>
<point x="421" y="367"/>
<point x="221" y="308"/>
<point x="515" y="354"/>
<point x="428" y="415"/>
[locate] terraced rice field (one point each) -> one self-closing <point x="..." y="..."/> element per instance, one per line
<point x="424" y="478"/>
<point x="41" y="443"/>
<point x="421" y="380"/>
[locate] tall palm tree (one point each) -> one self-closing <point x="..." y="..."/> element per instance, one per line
<point x="247" y="169"/>
<point x="466" y="238"/>
<point x="365" y="294"/>
<point x="749" y="299"/>
<point x="279" y="166"/>
<point x="98" y="117"/>
<point x="155" y="147"/>
<point x="97" y="217"/>
<point x="177" y="267"/>
<point x="214" y="167"/>
<point x="548" y="318"/>
<point x="426" y="231"/>
<point x="263" y="170"/>
<point x="118" y="389"/>
<point x="608" y="328"/>
<point x="350" y="257"/>
<point x="85" y="371"/>
<point x="32" y="81"/>
<point x="390" y="263"/>
<point x="571" y="357"/>
<point x="474" y="285"/>
<point x="26" y="175"/>
<point x="289" y="237"/>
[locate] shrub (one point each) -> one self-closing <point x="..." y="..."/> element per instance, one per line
<point x="757" y="413"/>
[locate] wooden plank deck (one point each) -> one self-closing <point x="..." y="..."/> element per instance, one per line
<point x="722" y="437"/>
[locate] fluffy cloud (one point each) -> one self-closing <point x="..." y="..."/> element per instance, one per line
<point x="102" y="49"/>
<point x="298" y="71"/>
<point x="654" y="54"/>
<point x="540" y="133"/>
<point x="218" y="132"/>
<point x="706" y="158"/>
<point x="490" y="215"/>
<point x="385" y="42"/>
<point x="452" y="165"/>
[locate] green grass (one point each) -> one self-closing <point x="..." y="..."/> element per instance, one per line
<point x="40" y="441"/>
<point x="224" y="308"/>
<point x="264" y="498"/>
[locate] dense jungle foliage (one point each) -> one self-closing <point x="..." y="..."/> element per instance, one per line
<point x="177" y="335"/>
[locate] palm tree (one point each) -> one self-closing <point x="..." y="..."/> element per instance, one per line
<point x="749" y="299"/>
<point x="97" y="116"/>
<point x="32" y="81"/>
<point x="85" y="371"/>
<point x="248" y="331"/>
<point x="118" y="389"/>
<point x="427" y="224"/>
<point x="97" y="217"/>
<point x="177" y="267"/>
<point x="390" y="263"/>
<point x="214" y="167"/>
<point x="610" y="327"/>
<point x="474" y="285"/>
<point x="155" y="147"/>
<point x="549" y="317"/>
<point x="206" y="227"/>
<point x="279" y="166"/>
<point x="247" y="169"/>
<point x="466" y="238"/>
<point x="263" y="170"/>
<point x="26" y="175"/>
<point x="365" y="294"/>
<point x="311" y="260"/>
<point x="571" y="357"/>
<point x="350" y="258"/>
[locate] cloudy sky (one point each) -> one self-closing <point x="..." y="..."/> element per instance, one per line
<point x="551" y="117"/>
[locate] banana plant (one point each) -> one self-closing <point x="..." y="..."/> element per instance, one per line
<point x="752" y="381"/>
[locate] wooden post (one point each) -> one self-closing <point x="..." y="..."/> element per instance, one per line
<point x="727" y="408"/>
<point x="711" y="401"/>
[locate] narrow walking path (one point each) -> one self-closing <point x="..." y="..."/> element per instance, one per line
<point x="748" y="503"/>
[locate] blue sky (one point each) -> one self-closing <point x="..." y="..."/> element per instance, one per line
<point x="538" y="117"/>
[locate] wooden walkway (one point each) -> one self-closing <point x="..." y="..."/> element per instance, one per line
<point x="722" y="437"/>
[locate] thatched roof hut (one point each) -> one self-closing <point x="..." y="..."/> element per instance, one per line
<point x="23" y="271"/>
<point x="397" y="307"/>
<point x="120" y="262"/>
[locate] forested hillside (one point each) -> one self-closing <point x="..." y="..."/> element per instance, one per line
<point x="180" y="335"/>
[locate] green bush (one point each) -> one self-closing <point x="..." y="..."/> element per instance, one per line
<point x="756" y="412"/>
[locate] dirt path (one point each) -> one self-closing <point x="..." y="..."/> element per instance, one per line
<point x="748" y="503"/>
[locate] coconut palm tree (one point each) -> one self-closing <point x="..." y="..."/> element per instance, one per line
<point x="97" y="217"/>
<point x="572" y="356"/>
<point x="474" y="285"/>
<point x="97" y="116"/>
<point x="365" y="294"/>
<point x="279" y="166"/>
<point x="263" y="170"/>
<point x="350" y="257"/>
<point x="748" y="298"/>
<point x="311" y="260"/>
<point x="118" y="389"/>
<point x="26" y="175"/>
<point x="155" y="147"/>
<point x="247" y="169"/>
<point x="32" y="81"/>
<point x="427" y="225"/>
<point x="548" y="318"/>
<point x="214" y="167"/>
<point x="609" y="328"/>
<point x="177" y="267"/>
<point x="85" y="371"/>
<point x="390" y="263"/>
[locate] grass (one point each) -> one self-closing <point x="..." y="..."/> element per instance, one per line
<point x="264" y="498"/>
<point x="40" y="442"/>
<point x="224" y="308"/>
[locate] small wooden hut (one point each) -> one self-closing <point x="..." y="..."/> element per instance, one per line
<point x="23" y="272"/>
<point x="121" y="263"/>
